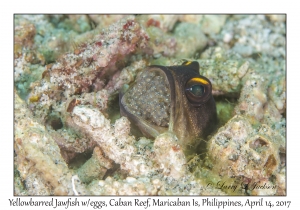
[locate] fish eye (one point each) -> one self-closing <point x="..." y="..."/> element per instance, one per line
<point x="197" y="90"/>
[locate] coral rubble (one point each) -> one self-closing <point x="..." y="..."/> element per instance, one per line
<point x="69" y="136"/>
<point x="240" y="151"/>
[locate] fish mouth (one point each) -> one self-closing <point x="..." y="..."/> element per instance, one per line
<point x="149" y="98"/>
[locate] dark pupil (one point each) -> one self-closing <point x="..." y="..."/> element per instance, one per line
<point x="197" y="90"/>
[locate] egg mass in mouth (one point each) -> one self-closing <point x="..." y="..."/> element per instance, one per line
<point x="171" y="98"/>
<point x="150" y="98"/>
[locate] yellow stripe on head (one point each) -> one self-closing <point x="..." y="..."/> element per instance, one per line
<point x="203" y="81"/>
<point x="187" y="63"/>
